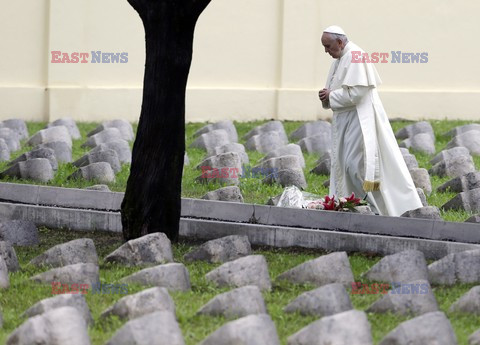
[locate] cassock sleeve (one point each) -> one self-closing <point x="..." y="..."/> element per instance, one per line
<point x="347" y="96"/>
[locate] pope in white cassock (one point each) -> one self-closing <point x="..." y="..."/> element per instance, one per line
<point x="366" y="159"/>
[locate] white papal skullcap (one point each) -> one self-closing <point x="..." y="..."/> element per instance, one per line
<point x="335" y="30"/>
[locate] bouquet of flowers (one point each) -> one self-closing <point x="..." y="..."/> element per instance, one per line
<point x="333" y="204"/>
<point x="294" y="197"/>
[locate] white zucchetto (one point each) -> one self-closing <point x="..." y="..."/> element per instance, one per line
<point x="334" y="29"/>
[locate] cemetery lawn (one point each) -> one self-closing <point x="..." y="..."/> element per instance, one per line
<point x="252" y="188"/>
<point x="23" y="293"/>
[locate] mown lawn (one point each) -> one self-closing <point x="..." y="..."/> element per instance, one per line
<point x="23" y="293"/>
<point x="252" y="188"/>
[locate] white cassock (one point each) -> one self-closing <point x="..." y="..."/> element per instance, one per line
<point x="365" y="154"/>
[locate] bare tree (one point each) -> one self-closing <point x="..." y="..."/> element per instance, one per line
<point x="152" y="197"/>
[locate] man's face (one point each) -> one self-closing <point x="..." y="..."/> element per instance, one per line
<point x="332" y="46"/>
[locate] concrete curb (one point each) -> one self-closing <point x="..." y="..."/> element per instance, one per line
<point x="319" y="239"/>
<point x="57" y="196"/>
<point x="58" y="217"/>
<point x="229" y="212"/>
<point x="258" y="234"/>
<point x="329" y="220"/>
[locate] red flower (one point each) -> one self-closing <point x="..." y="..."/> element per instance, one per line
<point x="329" y="203"/>
<point x="353" y="200"/>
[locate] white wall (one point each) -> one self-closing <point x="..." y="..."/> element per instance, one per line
<point x="253" y="59"/>
<point x="23" y="59"/>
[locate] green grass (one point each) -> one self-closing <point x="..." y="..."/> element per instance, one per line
<point x="252" y="188"/>
<point x="23" y="293"/>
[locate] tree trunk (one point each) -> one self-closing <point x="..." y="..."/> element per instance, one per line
<point x="152" y="197"/>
